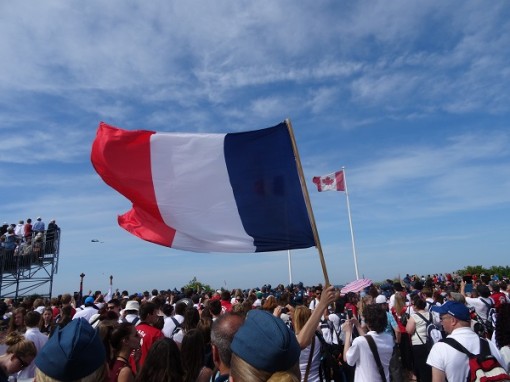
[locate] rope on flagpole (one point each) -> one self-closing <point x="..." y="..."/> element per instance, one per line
<point x="307" y="202"/>
<point x="350" y="225"/>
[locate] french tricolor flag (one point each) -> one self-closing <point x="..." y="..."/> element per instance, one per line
<point x="236" y="192"/>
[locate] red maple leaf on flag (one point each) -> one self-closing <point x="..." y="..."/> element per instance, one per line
<point x="327" y="181"/>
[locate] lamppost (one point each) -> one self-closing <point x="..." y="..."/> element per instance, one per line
<point x="81" y="286"/>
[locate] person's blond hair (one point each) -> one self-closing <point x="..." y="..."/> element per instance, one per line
<point x="99" y="375"/>
<point x="18" y="345"/>
<point x="301" y="315"/>
<point x="242" y="371"/>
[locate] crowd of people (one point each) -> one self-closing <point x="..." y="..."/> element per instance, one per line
<point x="24" y="243"/>
<point x="380" y="333"/>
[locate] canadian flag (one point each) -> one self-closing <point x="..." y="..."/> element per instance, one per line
<point x="330" y="182"/>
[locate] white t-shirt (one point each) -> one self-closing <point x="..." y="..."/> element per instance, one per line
<point x="313" y="375"/>
<point x="480" y="307"/>
<point x="335" y="319"/>
<point x="169" y="325"/>
<point x="454" y="363"/>
<point x="359" y="354"/>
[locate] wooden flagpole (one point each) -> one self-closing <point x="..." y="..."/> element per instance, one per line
<point x="307" y="202"/>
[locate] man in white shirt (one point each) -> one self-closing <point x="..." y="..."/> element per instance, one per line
<point x="360" y="354"/>
<point x="316" y="299"/>
<point x="130" y="312"/>
<point x="33" y="334"/>
<point x="481" y="304"/>
<point x="87" y="311"/>
<point x="446" y="361"/>
<point x="172" y="322"/>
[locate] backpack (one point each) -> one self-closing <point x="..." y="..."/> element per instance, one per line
<point x="482" y="367"/>
<point x="484" y="327"/>
<point x="489" y="323"/>
<point x="330" y="368"/>
<point x="434" y="334"/>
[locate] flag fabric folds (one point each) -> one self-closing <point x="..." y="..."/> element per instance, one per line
<point x="330" y="182"/>
<point x="237" y="192"/>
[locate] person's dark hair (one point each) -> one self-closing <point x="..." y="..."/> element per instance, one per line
<point x="191" y="318"/>
<point x="158" y="301"/>
<point x="32" y="319"/>
<point x="375" y="317"/>
<point x="146" y="309"/>
<point x="226" y="296"/>
<point x="427" y="292"/>
<point x="12" y="322"/>
<point x="167" y="310"/>
<point x="340" y="305"/>
<point x="115" y="302"/>
<point x="180" y="307"/>
<point x="215" y="307"/>
<point x="372" y="291"/>
<point x="222" y="333"/>
<point x="503" y="326"/>
<point x="154" y="292"/>
<point x="351" y="297"/>
<point x="419" y="303"/>
<point x="192" y="354"/>
<point x="484" y="291"/>
<point x="163" y="363"/>
<point x="105" y="329"/>
<point x="123" y="330"/>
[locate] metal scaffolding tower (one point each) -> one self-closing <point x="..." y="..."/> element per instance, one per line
<point x="30" y="268"/>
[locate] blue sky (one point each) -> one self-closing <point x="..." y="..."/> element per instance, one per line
<point x="412" y="98"/>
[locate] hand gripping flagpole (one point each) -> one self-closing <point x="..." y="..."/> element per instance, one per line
<point x="350" y="225"/>
<point x="307" y="201"/>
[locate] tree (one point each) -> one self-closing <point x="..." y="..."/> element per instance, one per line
<point x="197" y="286"/>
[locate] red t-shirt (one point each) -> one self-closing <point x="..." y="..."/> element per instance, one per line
<point x="498" y="298"/>
<point x="148" y="335"/>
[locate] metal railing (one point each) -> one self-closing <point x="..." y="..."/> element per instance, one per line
<point x="30" y="266"/>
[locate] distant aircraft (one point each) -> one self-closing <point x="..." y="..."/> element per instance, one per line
<point x="96" y="241"/>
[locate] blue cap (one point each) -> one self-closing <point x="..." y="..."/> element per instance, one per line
<point x="266" y="343"/>
<point x="72" y="352"/>
<point x="89" y="300"/>
<point x="455" y="309"/>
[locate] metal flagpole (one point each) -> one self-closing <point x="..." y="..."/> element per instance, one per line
<point x="290" y="267"/>
<point x="350" y="225"/>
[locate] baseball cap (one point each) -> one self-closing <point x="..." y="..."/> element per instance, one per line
<point x="455" y="309"/>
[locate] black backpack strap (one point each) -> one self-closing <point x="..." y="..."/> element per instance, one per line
<point x="373" y="348"/>
<point x="457" y="346"/>
<point x="309" y="364"/>
<point x="488" y="305"/>
<point x="177" y="324"/>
